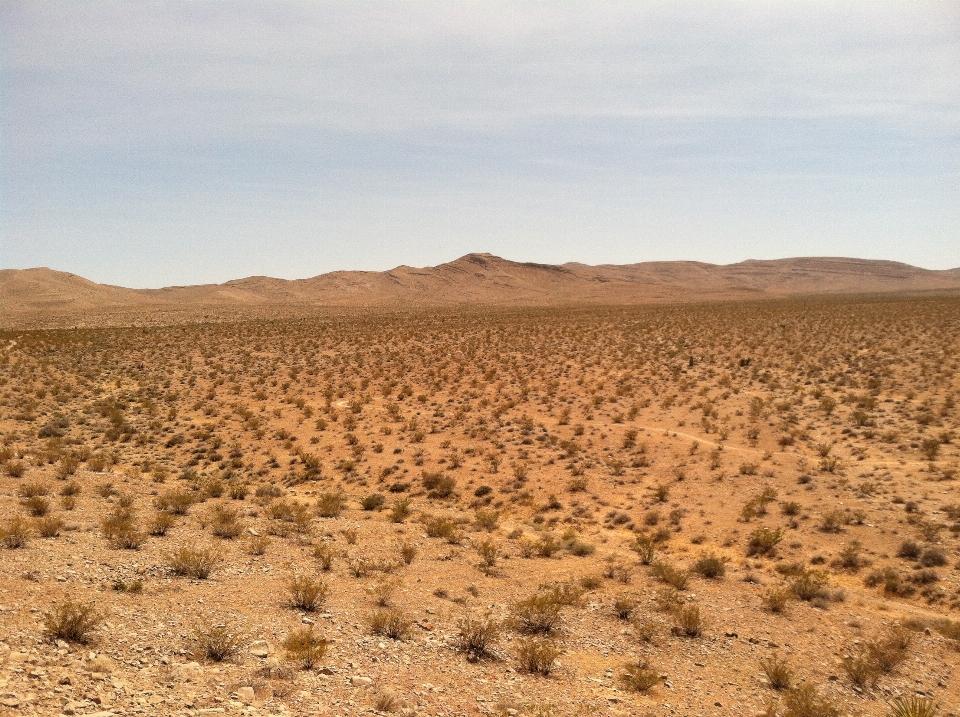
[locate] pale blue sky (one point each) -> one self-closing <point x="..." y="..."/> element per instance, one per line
<point x="159" y="143"/>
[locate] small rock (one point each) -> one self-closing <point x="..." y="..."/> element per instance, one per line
<point x="260" y="648"/>
<point x="246" y="695"/>
<point x="359" y="681"/>
<point x="10" y="701"/>
<point x="326" y="671"/>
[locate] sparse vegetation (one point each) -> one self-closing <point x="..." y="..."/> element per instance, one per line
<point x="616" y="481"/>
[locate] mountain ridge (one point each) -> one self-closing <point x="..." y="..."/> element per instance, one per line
<point x="481" y="279"/>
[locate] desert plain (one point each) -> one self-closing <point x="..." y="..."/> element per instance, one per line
<point x="727" y="507"/>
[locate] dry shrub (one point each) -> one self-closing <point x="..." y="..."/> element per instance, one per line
<point x="489" y="551"/>
<point x="373" y="501"/>
<point x="645" y="548"/>
<point x="330" y="505"/>
<point x="408" y="551"/>
<point x="809" y="584"/>
<point x="640" y="677"/>
<point x="15" y="533"/>
<point x="710" y="566"/>
<point x="689" y="621"/>
<point x="400" y="510"/>
<point x="390" y="622"/>
<point x="15" y="469"/>
<point x="306" y="593"/>
<point x="537" y="656"/>
<point x="324" y="555"/>
<point x="385" y="701"/>
<point x="763" y="541"/>
<point x="670" y="575"/>
<point x="120" y="528"/>
<point x="861" y="669"/>
<point x="161" y="523"/>
<point x="216" y="642"/>
<point x="304" y="647"/>
<point x="476" y="635"/>
<point x="624" y="605"/>
<point x="32" y="489"/>
<point x="540" y="613"/>
<point x="176" y="501"/>
<point x="257" y="545"/>
<point x="444" y="528"/>
<point x="37" y="506"/>
<point x="805" y="701"/>
<point x="382" y="591"/>
<point x="486" y="519"/>
<point x="49" y="526"/>
<point x="190" y="562"/>
<point x="778" y="672"/>
<point x="72" y="620"/>
<point x="225" y="522"/>
<point x="776" y="599"/>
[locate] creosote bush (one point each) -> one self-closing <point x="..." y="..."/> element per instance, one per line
<point x="72" y="620"/>
<point x="476" y="635"/>
<point x="306" y="593"/>
<point x="640" y="677"/>
<point x="217" y="642"/>
<point x="390" y="622"/>
<point x="196" y="563"/>
<point x="304" y="647"/>
<point x="537" y="656"/>
<point x="15" y="533"/>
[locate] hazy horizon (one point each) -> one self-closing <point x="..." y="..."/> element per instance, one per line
<point x="150" y="145"/>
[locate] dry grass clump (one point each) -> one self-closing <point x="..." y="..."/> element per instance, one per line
<point x="160" y="524"/>
<point x="176" y="501"/>
<point x="688" y="621"/>
<point x="72" y="620"/>
<point x="15" y="533"/>
<point x="217" y="642"/>
<point x="672" y="576"/>
<point x="330" y="505"/>
<point x="537" y="656"/>
<point x="190" y="562"/>
<point x="49" y="526"/>
<point x="806" y="701"/>
<point x="476" y="635"/>
<point x="304" y="647"/>
<point x="710" y="566"/>
<point x="306" y="593"/>
<point x="121" y="529"/>
<point x="390" y="622"/>
<point x="640" y="677"/>
<point x="778" y="672"/>
<point x="324" y="555"/>
<point x="539" y="614"/>
<point x="225" y="522"/>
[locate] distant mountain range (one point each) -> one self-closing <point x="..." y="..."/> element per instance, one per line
<point x="476" y="279"/>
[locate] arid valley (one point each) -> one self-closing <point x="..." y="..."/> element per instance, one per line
<point x="724" y="507"/>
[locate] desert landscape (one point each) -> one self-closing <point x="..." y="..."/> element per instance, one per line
<point x="526" y="497"/>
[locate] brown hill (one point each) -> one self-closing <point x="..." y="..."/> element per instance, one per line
<point x="478" y="279"/>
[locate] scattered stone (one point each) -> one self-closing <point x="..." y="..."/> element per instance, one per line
<point x="246" y="695"/>
<point x="359" y="681"/>
<point x="260" y="648"/>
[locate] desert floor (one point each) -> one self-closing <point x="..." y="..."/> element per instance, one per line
<point x="726" y="509"/>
